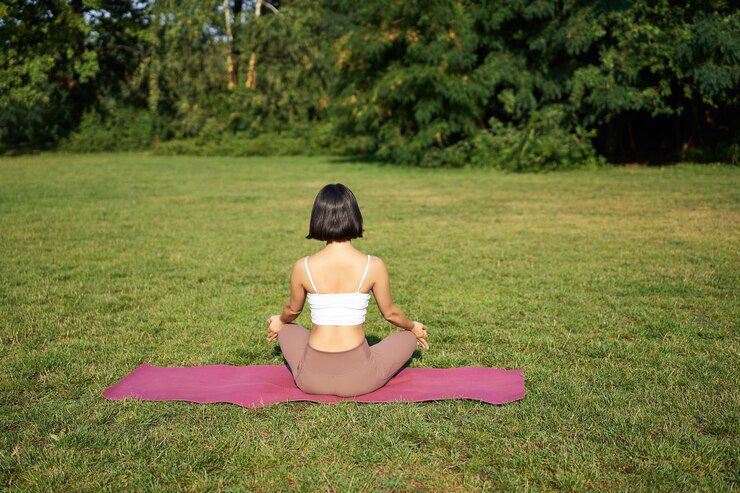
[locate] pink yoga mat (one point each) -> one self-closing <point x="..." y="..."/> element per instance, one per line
<point x="259" y="385"/>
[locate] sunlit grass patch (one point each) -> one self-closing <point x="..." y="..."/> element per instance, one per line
<point x="614" y="290"/>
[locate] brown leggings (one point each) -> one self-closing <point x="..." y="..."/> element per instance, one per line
<point x="345" y="373"/>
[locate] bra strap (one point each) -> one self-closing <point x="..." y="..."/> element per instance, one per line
<point x="363" y="275"/>
<point x="305" y="262"/>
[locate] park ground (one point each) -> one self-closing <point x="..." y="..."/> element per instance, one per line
<point x="614" y="290"/>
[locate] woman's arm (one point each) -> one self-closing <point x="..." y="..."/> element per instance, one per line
<point x="382" y="292"/>
<point x="293" y="307"/>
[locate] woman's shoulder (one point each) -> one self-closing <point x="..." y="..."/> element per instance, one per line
<point x="376" y="263"/>
<point x="374" y="260"/>
<point x="299" y="264"/>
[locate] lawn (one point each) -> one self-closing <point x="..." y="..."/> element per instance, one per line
<point x="614" y="290"/>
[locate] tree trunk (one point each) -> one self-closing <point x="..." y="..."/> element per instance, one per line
<point x="231" y="62"/>
<point x="251" y="72"/>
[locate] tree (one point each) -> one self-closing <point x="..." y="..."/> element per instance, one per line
<point x="419" y="78"/>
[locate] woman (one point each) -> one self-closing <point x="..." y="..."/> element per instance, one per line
<point x="335" y="358"/>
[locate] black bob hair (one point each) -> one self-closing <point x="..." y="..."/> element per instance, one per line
<point x="335" y="215"/>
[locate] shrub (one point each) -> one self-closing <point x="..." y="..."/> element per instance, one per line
<point x="308" y="139"/>
<point x="544" y="142"/>
<point x="120" y="129"/>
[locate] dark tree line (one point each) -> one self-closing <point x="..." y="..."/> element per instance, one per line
<point x="507" y="83"/>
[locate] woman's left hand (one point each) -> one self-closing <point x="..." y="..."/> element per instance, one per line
<point x="273" y="327"/>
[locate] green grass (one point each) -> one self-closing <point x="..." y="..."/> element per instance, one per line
<point x="614" y="290"/>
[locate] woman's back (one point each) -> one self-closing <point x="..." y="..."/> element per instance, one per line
<point x="337" y="282"/>
<point x="337" y="270"/>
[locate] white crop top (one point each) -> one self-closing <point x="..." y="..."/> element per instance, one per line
<point x="343" y="309"/>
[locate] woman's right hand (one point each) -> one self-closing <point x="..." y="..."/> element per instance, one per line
<point x="274" y="324"/>
<point x="420" y="331"/>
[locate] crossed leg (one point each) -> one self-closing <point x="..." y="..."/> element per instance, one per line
<point x="387" y="356"/>
<point x="293" y="340"/>
<point x="390" y="354"/>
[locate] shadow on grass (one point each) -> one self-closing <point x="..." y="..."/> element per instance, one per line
<point x="658" y="160"/>
<point x="359" y="159"/>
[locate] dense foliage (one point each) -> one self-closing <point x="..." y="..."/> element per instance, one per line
<point x="421" y="76"/>
<point x="512" y="84"/>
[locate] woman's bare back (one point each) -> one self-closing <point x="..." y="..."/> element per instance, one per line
<point x="338" y="268"/>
